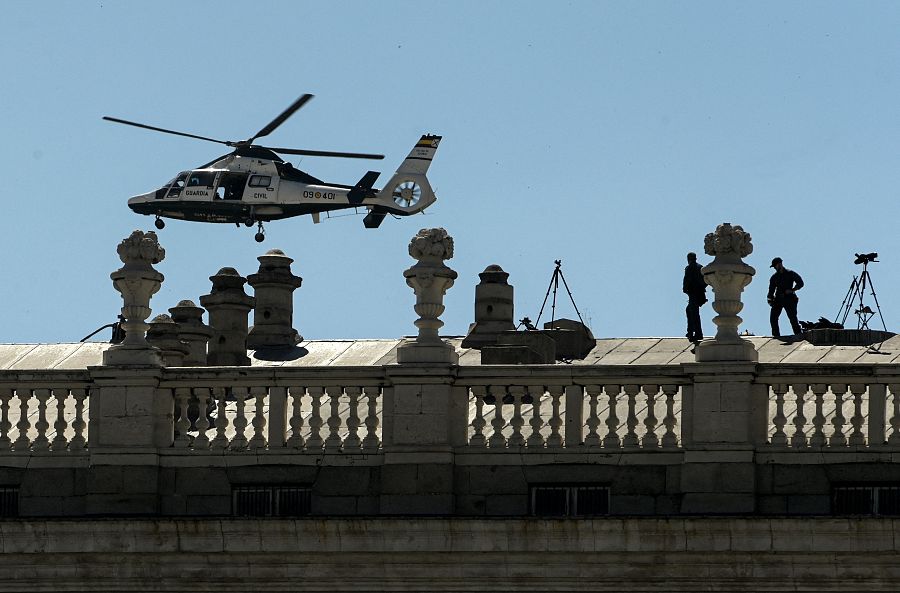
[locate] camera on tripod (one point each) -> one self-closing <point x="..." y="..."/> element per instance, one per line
<point x="864" y="258"/>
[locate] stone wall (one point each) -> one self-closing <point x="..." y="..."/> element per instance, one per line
<point x="417" y="554"/>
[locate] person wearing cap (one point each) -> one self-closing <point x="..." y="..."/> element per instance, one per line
<point x="694" y="286"/>
<point x="783" y="287"/>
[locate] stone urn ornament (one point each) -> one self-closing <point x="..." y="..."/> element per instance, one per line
<point x="137" y="281"/>
<point x="429" y="278"/>
<point x="728" y="275"/>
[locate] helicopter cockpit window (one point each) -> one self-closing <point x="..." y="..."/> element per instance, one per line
<point x="201" y="179"/>
<point x="176" y="185"/>
<point x="260" y="180"/>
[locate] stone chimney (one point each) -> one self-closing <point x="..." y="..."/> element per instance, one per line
<point x="228" y="306"/>
<point x="493" y="308"/>
<point x="273" y="286"/>
<point x="191" y="330"/>
<point x="163" y="334"/>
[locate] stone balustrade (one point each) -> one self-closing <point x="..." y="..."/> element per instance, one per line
<point x="338" y="410"/>
<point x="836" y="407"/>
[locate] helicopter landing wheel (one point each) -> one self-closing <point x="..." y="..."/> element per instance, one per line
<point x="160" y="223"/>
<point x="248" y="222"/>
<point x="260" y="235"/>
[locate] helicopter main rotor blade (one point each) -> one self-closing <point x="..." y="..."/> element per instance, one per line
<point x="281" y="118"/>
<point x="155" y="129"/>
<point x="346" y="155"/>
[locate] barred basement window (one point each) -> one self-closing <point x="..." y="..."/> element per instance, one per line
<point x="866" y="500"/>
<point x="569" y="501"/>
<point x="9" y="501"/>
<point x="271" y="501"/>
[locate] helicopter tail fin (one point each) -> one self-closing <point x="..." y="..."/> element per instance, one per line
<point x="408" y="191"/>
<point x="421" y="155"/>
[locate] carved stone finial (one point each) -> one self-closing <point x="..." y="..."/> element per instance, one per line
<point x="431" y="245"/>
<point x="728" y="276"/>
<point x="141" y="249"/>
<point x="728" y="241"/>
<point x="430" y="279"/>
<point x="273" y="317"/>
<point x="137" y="281"/>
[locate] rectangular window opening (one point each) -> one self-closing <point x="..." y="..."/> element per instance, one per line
<point x="866" y="500"/>
<point x="9" y="501"/>
<point x="569" y="500"/>
<point x="271" y="501"/>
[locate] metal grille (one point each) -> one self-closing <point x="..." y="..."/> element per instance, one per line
<point x="566" y="501"/>
<point x="866" y="500"/>
<point x="271" y="501"/>
<point x="9" y="501"/>
<point x="591" y="500"/>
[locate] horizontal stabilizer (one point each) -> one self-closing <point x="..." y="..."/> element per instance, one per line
<point x="373" y="219"/>
<point x="363" y="187"/>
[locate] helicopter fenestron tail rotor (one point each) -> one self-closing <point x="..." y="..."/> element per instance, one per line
<point x="265" y="131"/>
<point x="407" y="194"/>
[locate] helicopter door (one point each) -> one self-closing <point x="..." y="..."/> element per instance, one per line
<point x="231" y="186"/>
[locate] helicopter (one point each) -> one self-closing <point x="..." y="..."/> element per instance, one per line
<point x="253" y="184"/>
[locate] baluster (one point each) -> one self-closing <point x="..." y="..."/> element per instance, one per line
<point x="516" y="439"/>
<point x="478" y="423"/>
<point x="220" y="395"/>
<point x="315" y="442"/>
<point x="41" y="442"/>
<point x="611" y="440"/>
<point x="857" y="438"/>
<point x="78" y="425"/>
<point x="670" y="439"/>
<point x="818" y="436"/>
<point x="6" y="394"/>
<point x="592" y="439"/>
<point x="60" y="425"/>
<point x="798" y="439"/>
<point x="333" y="442"/>
<point x="631" y="440"/>
<point x="352" y="441"/>
<point x="239" y="442"/>
<point x="779" y="438"/>
<point x="497" y="439"/>
<point x="23" y="442"/>
<point x="838" y="439"/>
<point x="295" y="441"/>
<point x="182" y="425"/>
<point x="894" y="439"/>
<point x="258" y="440"/>
<point x="535" y="439"/>
<point x="201" y="441"/>
<point x="650" y="439"/>
<point x="554" y="439"/>
<point x="371" y="442"/>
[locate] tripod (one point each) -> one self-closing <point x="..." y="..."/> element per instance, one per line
<point x="856" y="293"/>
<point x="554" y="286"/>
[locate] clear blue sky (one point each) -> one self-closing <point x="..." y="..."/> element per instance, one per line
<point x="613" y="136"/>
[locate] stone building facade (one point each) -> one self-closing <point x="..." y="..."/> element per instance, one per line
<point x="743" y="463"/>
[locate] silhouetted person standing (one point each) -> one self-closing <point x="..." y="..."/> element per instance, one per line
<point x="783" y="287"/>
<point x="695" y="287"/>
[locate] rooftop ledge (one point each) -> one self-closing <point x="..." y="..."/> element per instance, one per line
<point x="380" y="352"/>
